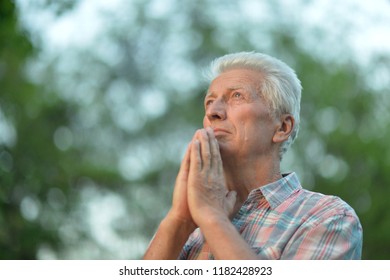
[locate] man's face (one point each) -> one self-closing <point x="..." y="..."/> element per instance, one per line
<point x="239" y="115"/>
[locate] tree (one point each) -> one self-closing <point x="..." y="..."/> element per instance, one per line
<point x="39" y="170"/>
<point x="94" y="131"/>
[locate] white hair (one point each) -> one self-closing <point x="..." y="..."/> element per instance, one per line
<point x="280" y="86"/>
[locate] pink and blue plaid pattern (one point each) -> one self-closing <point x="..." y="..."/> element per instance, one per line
<point x="284" y="221"/>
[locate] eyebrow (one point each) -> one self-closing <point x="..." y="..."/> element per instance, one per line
<point x="230" y="89"/>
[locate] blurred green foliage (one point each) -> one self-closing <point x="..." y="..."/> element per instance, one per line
<point x="89" y="148"/>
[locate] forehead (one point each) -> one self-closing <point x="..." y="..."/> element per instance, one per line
<point x="236" y="79"/>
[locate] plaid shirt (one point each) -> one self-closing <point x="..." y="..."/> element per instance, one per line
<point x="282" y="220"/>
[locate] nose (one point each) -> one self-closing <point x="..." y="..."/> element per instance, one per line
<point x="216" y="110"/>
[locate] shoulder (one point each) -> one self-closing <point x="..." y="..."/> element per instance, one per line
<point x="329" y="202"/>
<point x="321" y="207"/>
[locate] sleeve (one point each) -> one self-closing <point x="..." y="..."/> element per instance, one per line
<point x="191" y="246"/>
<point x="185" y="252"/>
<point x="337" y="237"/>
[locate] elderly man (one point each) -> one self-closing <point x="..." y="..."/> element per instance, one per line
<point x="231" y="200"/>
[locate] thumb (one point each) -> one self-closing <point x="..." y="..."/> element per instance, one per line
<point x="231" y="198"/>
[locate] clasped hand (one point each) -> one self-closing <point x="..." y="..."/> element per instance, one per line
<point x="200" y="195"/>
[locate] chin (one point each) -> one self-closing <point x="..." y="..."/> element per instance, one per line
<point x="225" y="150"/>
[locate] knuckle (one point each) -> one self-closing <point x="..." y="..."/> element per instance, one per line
<point x="207" y="155"/>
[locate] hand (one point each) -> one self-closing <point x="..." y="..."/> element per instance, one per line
<point x="208" y="196"/>
<point x="180" y="210"/>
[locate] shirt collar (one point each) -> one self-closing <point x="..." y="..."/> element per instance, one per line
<point x="277" y="192"/>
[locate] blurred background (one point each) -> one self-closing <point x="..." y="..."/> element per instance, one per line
<point x="98" y="100"/>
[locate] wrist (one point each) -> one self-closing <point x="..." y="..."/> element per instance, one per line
<point x="175" y="221"/>
<point x="213" y="220"/>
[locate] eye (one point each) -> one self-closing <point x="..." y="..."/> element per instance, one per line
<point x="208" y="102"/>
<point x="237" y="95"/>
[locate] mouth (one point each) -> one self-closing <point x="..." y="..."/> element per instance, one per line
<point x="220" y="131"/>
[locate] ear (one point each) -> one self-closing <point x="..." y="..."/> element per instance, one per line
<point x="284" y="128"/>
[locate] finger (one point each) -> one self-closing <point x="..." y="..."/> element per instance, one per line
<point x="195" y="158"/>
<point x="216" y="160"/>
<point x="203" y="138"/>
<point x="185" y="164"/>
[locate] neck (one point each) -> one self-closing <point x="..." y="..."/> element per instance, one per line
<point x="243" y="177"/>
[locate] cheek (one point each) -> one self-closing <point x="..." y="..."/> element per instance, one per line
<point x="253" y="130"/>
<point x="206" y="122"/>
